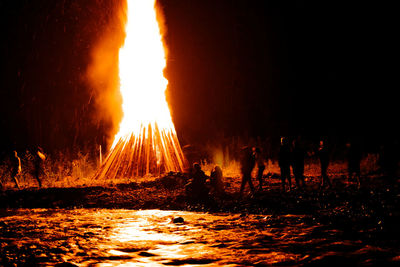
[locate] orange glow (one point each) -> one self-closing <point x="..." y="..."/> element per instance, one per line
<point x="146" y="141"/>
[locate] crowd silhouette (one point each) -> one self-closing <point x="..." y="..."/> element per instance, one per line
<point x="291" y="158"/>
<point x="291" y="155"/>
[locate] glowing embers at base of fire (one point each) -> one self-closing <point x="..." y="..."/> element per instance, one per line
<point x="153" y="151"/>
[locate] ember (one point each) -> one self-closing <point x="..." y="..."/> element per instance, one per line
<point x="146" y="142"/>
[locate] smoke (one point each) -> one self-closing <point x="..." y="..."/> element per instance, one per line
<point x="159" y="8"/>
<point x="102" y="72"/>
<point x="161" y="24"/>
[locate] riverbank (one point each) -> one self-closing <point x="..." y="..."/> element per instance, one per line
<point x="376" y="197"/>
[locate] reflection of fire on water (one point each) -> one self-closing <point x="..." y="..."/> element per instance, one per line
<point x="146" y="142"/>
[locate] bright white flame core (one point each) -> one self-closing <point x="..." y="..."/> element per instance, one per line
<point x="141" y="64"/>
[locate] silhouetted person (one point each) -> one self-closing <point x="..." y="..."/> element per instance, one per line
<point x="323" y="155"/>
<point x="1" y="183"/>
<point x="298" y="155"/>
<point x="217" y="187"/>
<point x="260" y="167"/>
<point x="15" y="168"/>
<point x="197" y="188"/>
<point x="247" y="164"/>
<point x="284" y="159"/>
<point x="353" y="161"/>
<point x="38" y="163"/>
<point x="389" y="159"/>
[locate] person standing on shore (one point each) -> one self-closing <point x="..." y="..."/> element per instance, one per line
<point x="323" y="155"/>
<point x="389" y="158"/>
<point x="354" y="162"/>
<point x="260" y="167"/>
<point x="38" y="163"/>
<point x="15" y="168"/>
<point x="284" y="160"/>
<point x="247" y="163"/>
<point x="298" y="162"/>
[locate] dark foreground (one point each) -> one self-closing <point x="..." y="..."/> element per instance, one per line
<point x="342" y="225"/>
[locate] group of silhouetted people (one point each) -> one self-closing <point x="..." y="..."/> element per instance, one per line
<point x="200" y="185"/>
<point x="292" y="155"/>
<point x="16" y="167"/>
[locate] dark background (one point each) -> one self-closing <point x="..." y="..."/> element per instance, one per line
<point x="235" y="68"/>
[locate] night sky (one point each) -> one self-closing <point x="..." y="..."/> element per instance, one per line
<point x="235" y="68"/>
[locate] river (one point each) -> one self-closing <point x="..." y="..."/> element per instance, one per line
<point x="120" y="237"/>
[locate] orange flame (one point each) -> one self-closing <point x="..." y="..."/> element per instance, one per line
<point x="141" y="65"/>
<point x="147" y="141"/>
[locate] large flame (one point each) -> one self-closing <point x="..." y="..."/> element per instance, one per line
<point x="141" y="65"/>
<point x="147" y="141"/>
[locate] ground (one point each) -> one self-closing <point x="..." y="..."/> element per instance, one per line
<point x="375" y="202"/>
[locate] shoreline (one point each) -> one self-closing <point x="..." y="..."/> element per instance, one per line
<point x="168" y="193"/>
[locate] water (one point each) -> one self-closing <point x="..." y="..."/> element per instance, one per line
<point x="118" y="237"/>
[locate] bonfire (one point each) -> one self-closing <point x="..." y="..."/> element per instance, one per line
<point x="147" y="142"/>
